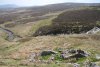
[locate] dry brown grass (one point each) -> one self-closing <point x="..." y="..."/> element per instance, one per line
<point x="37" y="44"/>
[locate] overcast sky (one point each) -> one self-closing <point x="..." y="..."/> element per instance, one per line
<point x="42" y="2"/>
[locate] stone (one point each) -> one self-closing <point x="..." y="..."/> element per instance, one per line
<point x="48" y="52"/>
<point x="82" y="53"/>
<point x="68" y="54"/>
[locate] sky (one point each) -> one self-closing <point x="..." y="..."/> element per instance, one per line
<point x="42" y="2"/>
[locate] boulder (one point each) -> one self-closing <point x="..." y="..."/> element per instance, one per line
<point x="68" y="54"/>
<point x="48" y="52"/>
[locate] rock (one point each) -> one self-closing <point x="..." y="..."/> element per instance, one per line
<point x="94" y="30"/>
<point x="72" y="51"/>
<point x="68" y="54"/>
<point x="82" y="53"/>
<point x="48" y="52"/>
<point x="97" y="56"/>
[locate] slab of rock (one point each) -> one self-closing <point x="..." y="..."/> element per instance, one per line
<point x="48" y="52"/>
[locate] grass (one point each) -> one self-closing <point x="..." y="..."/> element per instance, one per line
<point x="23" y="49"/>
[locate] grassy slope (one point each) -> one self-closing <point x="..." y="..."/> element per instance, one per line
<point x="12" y="52"/>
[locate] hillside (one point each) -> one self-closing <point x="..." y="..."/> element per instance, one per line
<point x="73" y="21"/>
<point x="61" y="30"/>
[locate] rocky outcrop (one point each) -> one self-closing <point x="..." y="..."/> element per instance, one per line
<point x="68" y="54"/>
<point x="64" y="55"/>
<point x="94" y="30"/>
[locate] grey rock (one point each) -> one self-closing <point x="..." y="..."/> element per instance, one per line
<point x="48" y="52"/>
<point x="94" y="30"/>
<point x="74" y="54"/>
